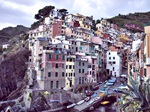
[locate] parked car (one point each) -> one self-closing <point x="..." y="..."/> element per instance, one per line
<point x="80" y="102"/>
<point x="112" y="80"/>
<point x="109" y="84"/>
<point x="71" y="106"/>
<point x="104" y="89"/>
<point x="94" y="95"/>
<point x="89" y="93"/>
<point x="96" y="98"/>
<point x="95" y="88"/>
<point x="66" y="103"/>
<point x="99" y="83"/>
<point x="87" y="99"/>
<point x="122" y="87"/>
<point x="90" y="102"/>
<point x="117" y="90"/>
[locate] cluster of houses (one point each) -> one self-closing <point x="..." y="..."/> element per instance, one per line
<point x="139" y="57"/>
<point x="68" y="53"/>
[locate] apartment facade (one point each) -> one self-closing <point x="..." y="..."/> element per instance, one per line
<point x="114" y="62"/>
<point x="70" y="72"/>
<point x="147" y="52"/>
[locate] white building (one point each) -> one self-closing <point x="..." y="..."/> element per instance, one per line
<point x="5" y="46"/>
<point x="114" y="63"/>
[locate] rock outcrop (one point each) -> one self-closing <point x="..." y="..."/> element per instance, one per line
<point x="12" y="72"/>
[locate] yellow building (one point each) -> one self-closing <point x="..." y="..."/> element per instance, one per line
<point x="70" y="72"/>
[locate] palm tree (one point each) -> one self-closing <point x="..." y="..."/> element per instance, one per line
<point x="139" y="93"/>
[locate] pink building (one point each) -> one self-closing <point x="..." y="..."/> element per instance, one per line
<point x="52" y="66"/>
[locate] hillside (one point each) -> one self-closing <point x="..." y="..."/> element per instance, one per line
<point x="12" y="71"/>
<point x="10" y="32"/>
<point x="135" y="19"/>
<point x="13" y="31"/>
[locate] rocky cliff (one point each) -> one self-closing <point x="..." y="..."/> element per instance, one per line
<point x="12" y="72"/>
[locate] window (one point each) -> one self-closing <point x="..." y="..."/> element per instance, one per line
<point x="79" y="70"/>
<point x="57" y="56"/>
<point x="74" y="74"/>
<point x="114" y="62"/>
<point x="66" y="74"/>
<point x="63" y="57"/>
<point x="79" y="63"/>
<point x="57" y="84"/>
<point x="145" y="72"/>
<point x="49" y="65"/>
<point x="51" y="84"/>
<point x="79" y="80"/>
<point x="83" y="64"/>
<point x="63" y="74"/>
<point x="66" y="66"/>
<point x="70" y="60"/>
<point x="56" y="65"/>
<point x="109" y="53"/>
<point x="49" y="74"/>
<point x="50" y="56"/>
<point x="73" y="67"/>
<point x="63" y="65"/>
<point x="56" y="74"/>
<point x="113" y="68"/>
<point x="89" y="66"/>
<point x="109" y="57"/>
<point x="113" y="57"/>
<point x="76" y="49"/>
<point x="144" y="58"/>
<point x="82" y="80"/>
<point x="82" y="70"/>
<point x="70" y="67"/>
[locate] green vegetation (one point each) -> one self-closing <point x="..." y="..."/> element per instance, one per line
<point x="44" y="12"/>
<point x="138" y="96"/>
<point x="139" y="19"/>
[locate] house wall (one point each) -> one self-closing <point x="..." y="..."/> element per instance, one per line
<point x="57" y="28"/>
<point x="116" y="67"/>
<point x="70" y="73"/>
<point x="80" y="77"/>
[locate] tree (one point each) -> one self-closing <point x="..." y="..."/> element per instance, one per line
<point x="44" y="12"/>
<point x="64" y="12"/>
<point x="97" y="21"/>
